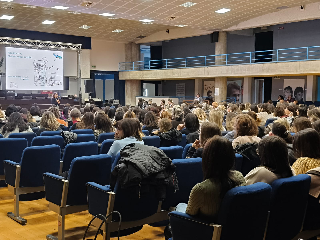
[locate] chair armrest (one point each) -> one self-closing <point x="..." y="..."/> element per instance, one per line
<point x="54" y="187"/>
<point x="98" y="198"/>
<point x="187" y="227"/>
<point x="10" y="170"/>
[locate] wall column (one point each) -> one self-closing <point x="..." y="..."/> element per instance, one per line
<point x="133" y="87"/>
<point x="221" y="82"/>
<point x="198" y="83"/>
<point x="247" y="89"/>
<point x="311" y="88"/>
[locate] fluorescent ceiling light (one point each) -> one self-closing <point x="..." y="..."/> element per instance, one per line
<point x="188" y="4"/>
<point x="85" y="27"/>
<point x="146" y="20"/>
<point x="60" y="7"/>
<point x="181" y="26"/>
<point x="6" y="17"/>
<point x="223" y="10"/>
<point x="117" y="30"/>
<point x="107" y="14"/>
<point x="48" y="22"/>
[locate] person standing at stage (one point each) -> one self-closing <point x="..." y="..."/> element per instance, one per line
<point x="198" y="98"/>
<point x="55" y="99"/>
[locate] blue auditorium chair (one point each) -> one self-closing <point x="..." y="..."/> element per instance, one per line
<point x="104" y="136"/>
<point x="245" y="165"/>
<point x="173" y="152"/>
<point x="106" y="145"/>
<point x="29" y="136"/>
<point x="73" y="150"/>
<point x="288" y="206"/>
<point x="48" y="140"/>
<point x="11" y="149"/>
<point x="85" y="138"/>
<point x="83" y="131"/>
<point x="35" y="130"/>
<point x="1" y="136"/>
<point x="26" y="176"/>
<point x="183" y="142"/>
<point x="186" y="149"/>
<point x="50" y="133"/>
<point x="243" y="214"/>
<point x="146" y="132"/>
<point x="270" y="120"/>
<point x="292" y="134"/>
<point x="67" y="196"/>
<point x="152" y="141"/>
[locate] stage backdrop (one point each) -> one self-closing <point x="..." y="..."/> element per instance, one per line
<point x="208" y="86"/>
<point x="297" y="87"/>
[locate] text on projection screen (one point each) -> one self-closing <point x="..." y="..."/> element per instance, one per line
<point x="32" y="69"/>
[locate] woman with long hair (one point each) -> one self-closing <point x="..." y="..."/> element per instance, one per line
<point x="150" y="122"/>
<point x="217" y="118"/>
<point x="87" y="121"/>
<point x="201" y="115"/>
<point x="190" y="127"/>
<point x="168" y="135"/>
<point x="15" y="124"/>
<point x="49" y="122"/>
<point x="102" y="124"/>
<point x="274" y="161"/>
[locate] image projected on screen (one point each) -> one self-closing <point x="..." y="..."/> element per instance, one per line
<point x="32" y="69"/>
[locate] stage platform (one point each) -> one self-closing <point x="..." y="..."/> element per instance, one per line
<point x="42" y="103"/>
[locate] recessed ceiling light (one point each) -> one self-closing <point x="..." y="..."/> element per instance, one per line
<point x="223" y="10"/>
<point x="146" y="21"/>
<point x="6" y="0"/>
<point x="48" y="22"/>
<point x="85" y="27"/>
<point x="181" y="26"/>
<point x="188" y="4"/>
<point x="117" y="30"/>
<point x="6" y="17"/>
<point x="107" y="14"/>
<point x="60" y="7"/>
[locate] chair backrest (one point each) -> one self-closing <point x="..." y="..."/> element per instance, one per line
<point x="48" y="140"/>
<point x="83" y="131"/>
<point x="115" y="161"/>
<point x="50" y="133"/>
<point x="186" y="149"/>
<point x="85" y="138"/>
<point x="106" y="145"/>
<point x="1" y="136"/>
<point x="152" y="141"/>
<point x="11" y="149"/>
<point x="146" y="132"/>
<point x="243" y="213"/>
<point x="36" y="161"/>
<point x="184" y="169"/>
<point x="74" y="150"/>
<point x="238" y="162"/>
<point x="35" y="130"/>
<point x="104" y="136"/>
<point x="95" y="168"/>
<point x="29" y="136"/>
<point x="173" y="152"/>
<point x="270" y="120"/>
<point x="288" y="206"/>
<point x="183" y="142"/>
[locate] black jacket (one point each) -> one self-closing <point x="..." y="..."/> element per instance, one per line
<point x="141" y="165"/>
<point x="194" y="153"/>
<point x="170" y="138"/>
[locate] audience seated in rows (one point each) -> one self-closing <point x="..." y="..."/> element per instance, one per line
<point x="15" y="124"/>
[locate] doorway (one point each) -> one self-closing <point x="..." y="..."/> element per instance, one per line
<point x="151" y="88"/>
<point x="258" y="90"/>
<point x="263" y="42"/>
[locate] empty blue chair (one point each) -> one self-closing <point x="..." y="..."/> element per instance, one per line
<point x="1" y="136"/>
<point x="243" y="214"/>
<point x="173" y="152"/>
<point x="146" y="132"/>
<point x="26" y="176"/>
<point x="186" y="149"/>
<point x="28" y="136"/>
<point x="11" y="149"/>
<point x="183" y="142"/>
<point x="85" y="138"/>
<point x="106" y="145"/>
<point x="69" y="195"/>
<point x="83" y="131"/>
<point x="104" y="136"/>
<point x="73" y="150"/>
<point x="48" y="140"/>
<point x="288" y="206"/>
<point x="50" y="133"/>
<point x="152" y="141"/>
<point x="245" y="165"/>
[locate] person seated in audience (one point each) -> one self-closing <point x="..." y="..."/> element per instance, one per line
<point x="314" y="114"/>
<point x="207" y="131"/>
<point x="111" y="114"/>
<point x="129" y="114"/>
<point x="75" y="115"/>
<point x="303" y="111"/>
<point x="118" y="116"/>
<point x="86" y="109"/>
<point x="15" y="124"/>
<point x="216" y="117"/>
<point x="95" y="109"/>
<point x="301" y="123"/>
<point x="166" y="114"/>
<point x="168" y="135"/>
<point x="150" y="122"/>
<point x="306" y="147"/>
<point x="35" y="111"/>
<point x="279" y="112"/>
<point x="265" y="113"/>
<point x="233" y="108"/>
<point x="141" y="115"/>
<point x="49" y="122"/>
<point x="66" y="113"/>
<point x="258" y="122"/>
<point x="254" y="108"/>
<point x="190" y="127"/>
<point x="2" y="119"/>
<point x="246" y="130"/>
<point x="106" y="110"/>
<point x="273" y="166"/>
<point x="201" y="115"/>
<point x="128" y="131"/>
<point x="163" y="104"/>
<point x="217" y="163"/>
<point x="230" y="126"/>
<point x="11" y="109"/>
<point x="102" y="125"/>
<point x="170" y="103"/>
<point x="177" y="117"/>
<point x="86" y="122"/>
<point x="56" y="113"/>
<point x="316" y="126"/>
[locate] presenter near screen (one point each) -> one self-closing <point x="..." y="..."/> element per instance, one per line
<point x="55" y="99"/>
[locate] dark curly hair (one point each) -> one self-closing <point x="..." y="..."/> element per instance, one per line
<point x="150" y="119"/>
<point x="245" y="126"/>
<point x="279" y="111"/>
<point x="86" y="121"/>
<point x="15" y="121"/>
<point x="102" y="122"/>
<point x="11" y="109"/>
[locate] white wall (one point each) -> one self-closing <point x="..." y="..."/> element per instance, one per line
<point x="106" y="55"/>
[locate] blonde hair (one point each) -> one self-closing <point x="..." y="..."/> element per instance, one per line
<point x="129" y="114"/>
<point x="202" y="116"/>
<point x="49" y="122"/>
<point x="216" y="117"/>
<point x="165" y="125"/>
<point x="2" y="114"/>
<point x="284" y="122"/>
<point x="166" y="114"/>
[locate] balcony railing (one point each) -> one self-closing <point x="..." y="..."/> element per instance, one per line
<point x="257" y="57"/>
